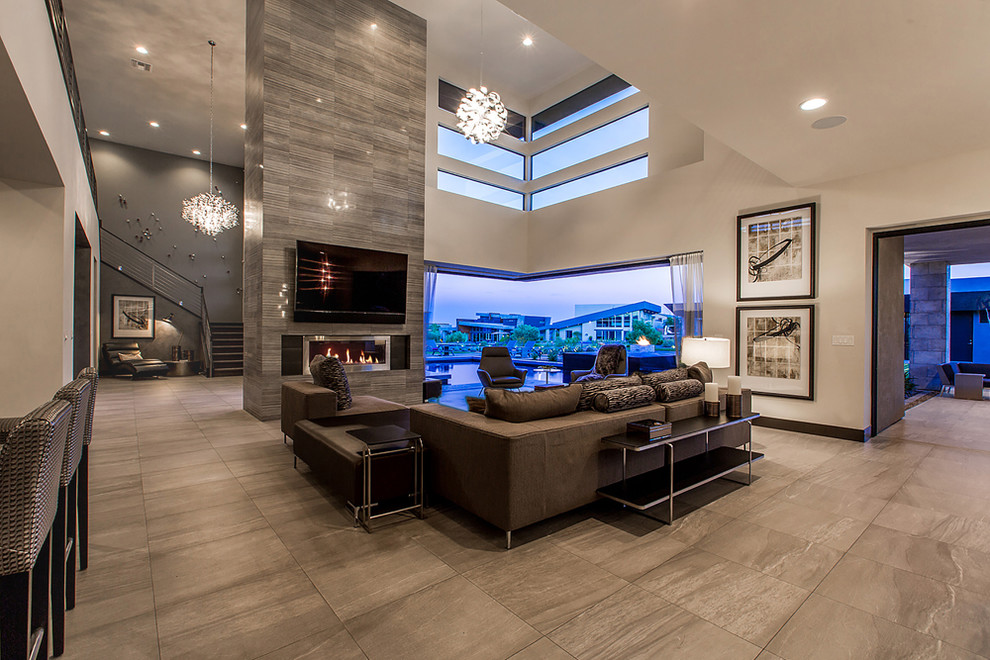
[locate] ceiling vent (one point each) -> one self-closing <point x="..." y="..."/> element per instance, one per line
<point x="138" y="64"/>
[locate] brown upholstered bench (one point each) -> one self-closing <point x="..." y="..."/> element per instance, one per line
<point x="392" y="468"/>
<point x="303" y="400"/>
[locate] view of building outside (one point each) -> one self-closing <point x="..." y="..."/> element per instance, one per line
<point x="969" y="317"/>
<point x="581" y="311"/>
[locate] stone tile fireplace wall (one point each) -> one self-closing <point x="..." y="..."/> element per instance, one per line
<point x="333" y="107"/>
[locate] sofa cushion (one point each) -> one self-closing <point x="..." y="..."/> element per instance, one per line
<point x="475" y="404"/>
<point x="590" y="388"/>
<point x="329" y="373"/>
<point x="700" y="371"/>
<point x="527" y="406"/>
<point x="589" y="376"/>
<point x="679" y="389"/>
<point x="624" y="398"/>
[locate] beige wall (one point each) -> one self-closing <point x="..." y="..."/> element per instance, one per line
<point x="27" y="39"/>
<point x="684" y="207"/>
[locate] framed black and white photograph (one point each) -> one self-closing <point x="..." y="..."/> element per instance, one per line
<point x="133" y="317"/>
<point x="775" y="254"/>
<point x="775" y="350"/>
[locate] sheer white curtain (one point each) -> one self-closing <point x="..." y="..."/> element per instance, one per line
<point x="687" y="283"/>
<point x="429" y="291"/>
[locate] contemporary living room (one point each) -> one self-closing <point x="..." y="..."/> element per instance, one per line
<point x="449" y="329"/>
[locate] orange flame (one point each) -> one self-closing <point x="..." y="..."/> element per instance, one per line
<point x="643" y="341"/>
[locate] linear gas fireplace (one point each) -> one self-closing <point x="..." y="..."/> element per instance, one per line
<point x="356" y="353"/>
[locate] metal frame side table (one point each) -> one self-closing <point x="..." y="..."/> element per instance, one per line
<point x="649" y="489"/>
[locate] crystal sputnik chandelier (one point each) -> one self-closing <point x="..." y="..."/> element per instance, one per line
<point x="209" y="212"/>
<point x="482" y="115"/>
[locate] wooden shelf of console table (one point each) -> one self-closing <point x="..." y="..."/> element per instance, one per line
<point x="647" y="490"/>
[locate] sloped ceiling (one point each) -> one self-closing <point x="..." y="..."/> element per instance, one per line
<point x="911" y="76"/>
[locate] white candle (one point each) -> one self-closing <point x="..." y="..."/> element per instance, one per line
<point x="735" y="385"/>
<point x="711" y="392"/>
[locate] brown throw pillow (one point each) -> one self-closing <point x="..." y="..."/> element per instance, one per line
<point x="624" y="398"/>
<point x="680" y="389"/>
<point x="700" y="371"/>
<point x="314" y="371"/>
<point x="527" y="406"/>
<point x="129" y="356"/>
<point x="475" y="404"/>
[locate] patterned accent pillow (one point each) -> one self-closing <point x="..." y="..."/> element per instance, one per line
<point x="679" y="389"/>
<point x="623" y="398"/>
<point x="129" y="356"/>
<point x="611" y="359"/>
<point x="590" y="376"/>
<point x="700" y="371"/>
<point x="590" y="388"/>
<point x="313" y="371"/>
<point x="669" y="376"/>
<point x="331" y="375"/>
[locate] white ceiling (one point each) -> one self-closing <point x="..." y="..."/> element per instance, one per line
<point x="122" y="100"/>
<point x="912" y="76"/>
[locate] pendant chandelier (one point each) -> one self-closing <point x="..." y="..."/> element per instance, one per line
<point x="209" y="212"/>
<point x="481" y="113"/>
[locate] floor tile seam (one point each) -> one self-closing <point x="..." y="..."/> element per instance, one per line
<point x="305" y="637"/>
<point x="722" y="628"/>
<point x="953" y="587"/>
<point x="523" y="619"/>
<point x="796" y="538"/>
<point x="900" y="625"/>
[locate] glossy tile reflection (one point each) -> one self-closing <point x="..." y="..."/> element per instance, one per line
<point x="206" y="543"/>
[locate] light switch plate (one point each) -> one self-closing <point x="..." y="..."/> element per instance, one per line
<point x="843" y="340"/>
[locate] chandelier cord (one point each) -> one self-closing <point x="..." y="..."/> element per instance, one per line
<point x="213" y="45"/>
<point x="481" y="63"/>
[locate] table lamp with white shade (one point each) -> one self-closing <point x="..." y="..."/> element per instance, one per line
<point x="713" y="351"/>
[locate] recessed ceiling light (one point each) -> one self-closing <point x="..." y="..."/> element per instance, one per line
<point x="527" y="40"/>
<point x="105" y="133"/>
<point x="154" y="124"/>
<point x="374" y="26"/>
<point x="829" y="122"/>
<point x="142" y="50"/>
<point x="319" y="100"/>
<point x="244" y="126"/>
<point x="813" y="104"/>
<point x="197" y="152"/>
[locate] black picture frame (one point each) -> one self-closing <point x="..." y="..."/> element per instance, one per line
<point x="133" y="317"/>
<point x="777" y="244"/>
<point x="768" y="359"/>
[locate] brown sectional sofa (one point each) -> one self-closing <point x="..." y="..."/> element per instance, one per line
<point x="516" y="474"/>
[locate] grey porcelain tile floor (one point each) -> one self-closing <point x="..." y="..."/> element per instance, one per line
<point x="206" y="543"/>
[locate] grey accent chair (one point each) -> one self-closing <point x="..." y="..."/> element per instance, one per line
<point x="78" y="394"/>
<point x="93" y="376"/>
<point x="611" y="361"/>
<point x="497" y="370"/>
<point x="30" y="464"/>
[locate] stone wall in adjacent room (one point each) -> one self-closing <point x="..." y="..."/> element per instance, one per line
<point x="929" y="331"/>
<point x="152" y="182"/>
<point x="333" y="106"/>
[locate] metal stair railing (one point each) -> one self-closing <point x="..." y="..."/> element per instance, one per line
<point x="147" y="271"/>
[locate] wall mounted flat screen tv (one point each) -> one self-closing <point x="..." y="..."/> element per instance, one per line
<point x="336" y="284"/>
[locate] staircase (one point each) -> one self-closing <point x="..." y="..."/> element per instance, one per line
<point x="228" y="348"/>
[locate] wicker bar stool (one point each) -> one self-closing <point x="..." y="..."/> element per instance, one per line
<point x="77" y="393"/>
<point x="30" y="464"/>
<point x="91" y="374"/>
